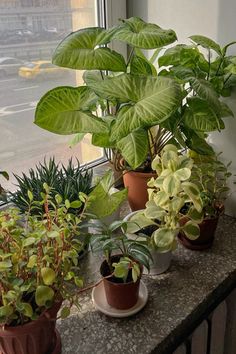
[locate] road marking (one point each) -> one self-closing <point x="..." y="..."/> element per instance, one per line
<point x="25" y="88"/>
<point x="9" y="110"/>
<point x="7" y="80"/>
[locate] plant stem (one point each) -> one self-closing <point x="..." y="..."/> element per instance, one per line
<point x="130" y="57"/>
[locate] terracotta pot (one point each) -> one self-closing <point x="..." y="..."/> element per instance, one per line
<point x="206" y="238"/>
<point x="35" y="337"/>
<point x="136" y="182"/>
<point x="121" y="296"/>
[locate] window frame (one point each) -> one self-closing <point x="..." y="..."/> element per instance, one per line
<point x="108" y="13"/>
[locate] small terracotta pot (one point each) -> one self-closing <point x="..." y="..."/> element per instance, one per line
<point x="136" y="182"/>
<point x="35" y="337"/>
<point x="121" y="296"/>
<point x="206" y="238"/>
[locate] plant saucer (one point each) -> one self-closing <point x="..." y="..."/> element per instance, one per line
<point x="100" y="302"/>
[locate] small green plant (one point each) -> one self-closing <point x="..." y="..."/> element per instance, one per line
<point x="39" y="261"/>
<point x="132" y="253"/>
<point x="67" y="181"/>
<point x="169" y="193"/>
<point x="211" y="176"/>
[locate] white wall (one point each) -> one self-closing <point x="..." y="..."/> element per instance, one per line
<point x="215" y="19"/>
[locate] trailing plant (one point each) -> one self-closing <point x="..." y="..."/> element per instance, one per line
<point x="211" y="176"/>
<point x="39" y="261"/>
<point x="144" y="106"/>
<point x="67" y="181"/>
<point x="169" y="193"/>
<point x="132" y="253"/>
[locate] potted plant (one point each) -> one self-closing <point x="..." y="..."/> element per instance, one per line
<point x="160" y="221"/>
<point x="66" y="180"/>
<point x="211" y="176"/>
<point x="143" y="108"/>
<point x="121" y="271"/>
<point x="38" y="270"/>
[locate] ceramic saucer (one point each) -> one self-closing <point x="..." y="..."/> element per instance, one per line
<point x="100" y="302"/>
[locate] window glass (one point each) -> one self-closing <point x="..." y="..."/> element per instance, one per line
<point x="30" y="30"/>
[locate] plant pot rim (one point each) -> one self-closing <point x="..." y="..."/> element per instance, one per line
<point x="32" y="323"/>
<point x="140" y="173"/>
<point x="122" y="284"/>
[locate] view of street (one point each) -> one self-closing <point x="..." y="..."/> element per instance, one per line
<point x="22" y="143"/>
<point x="27" y="41"/>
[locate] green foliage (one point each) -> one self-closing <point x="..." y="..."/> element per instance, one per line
<point x="103" y="201"/>
<point x="66" y="183"/>
<point x="113" y="238"/>
<point x="141" y="104"/>
<point x="132" y="98"/>
<point x="169" y="193"/>
<point x="211" y="176"/>
<point x="38" y="261"/>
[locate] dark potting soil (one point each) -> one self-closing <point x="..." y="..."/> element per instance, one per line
<point x="148" y="230"/>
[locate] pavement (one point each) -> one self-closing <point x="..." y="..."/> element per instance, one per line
<point x="22" y="143"/>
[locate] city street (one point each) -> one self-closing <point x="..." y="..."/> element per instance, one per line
<point x="22" y="143"/>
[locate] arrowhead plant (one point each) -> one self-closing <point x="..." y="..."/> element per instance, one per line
<point x="172" y="97"/>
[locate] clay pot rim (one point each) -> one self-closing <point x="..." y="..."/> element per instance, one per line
<point x="141" y="174"/>
<point x="9" y="330"/>
<point x="122" y="284"/>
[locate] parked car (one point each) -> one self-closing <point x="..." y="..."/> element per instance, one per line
<point x="9" y="66"/>
<point x="40" y="69"/>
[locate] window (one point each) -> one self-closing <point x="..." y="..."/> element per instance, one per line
<point x="29" y="32"/>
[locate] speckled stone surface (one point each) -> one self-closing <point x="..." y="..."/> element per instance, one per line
<point x="178" y="300"/>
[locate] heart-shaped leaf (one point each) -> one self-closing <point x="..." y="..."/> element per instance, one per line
<point x="64" y="110"/>
<point x="134" y="147"/>
<point x="80" y="50"/>
<point x="138" y="33"/>
<point x="206" y="42"/>
<point x="152" y="100"/>
<point x="201" y="116"/>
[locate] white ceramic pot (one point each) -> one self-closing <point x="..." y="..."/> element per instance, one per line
<point x="160" y="260"/>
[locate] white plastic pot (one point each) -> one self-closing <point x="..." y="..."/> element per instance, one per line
<point x="160" y="260"/>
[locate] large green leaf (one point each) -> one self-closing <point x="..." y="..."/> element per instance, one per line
<point x="206" y="42"/>
<point x="198" y="143"/>
<point x="180" y="54"/>
<point x="80" y="50"/>
<point x="201" y="116"/>
<point x="64" y="110"/>
<point x="152" y="100"/>
<point x="134" y="147"/>
<point x="206" y="91"/>
<point x="138" y="33"/>
<point x="140" y="66"/>
<point x="102" y="202"/>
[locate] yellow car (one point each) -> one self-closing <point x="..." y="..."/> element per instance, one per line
<point x="40" y="69"/>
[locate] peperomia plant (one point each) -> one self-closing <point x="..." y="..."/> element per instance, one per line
<point x="169" y="194"/>
<point x="144" y="105"/>
<point x="39" y="261"/>
<point x="132" y="253"/>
